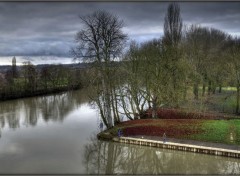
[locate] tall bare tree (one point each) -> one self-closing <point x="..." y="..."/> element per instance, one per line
<point x="172" y="25"/>
<point x="101" y="41"/>
<point x="172" y="49"/>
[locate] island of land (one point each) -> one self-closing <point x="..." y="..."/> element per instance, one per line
<point x="210" y="133"/>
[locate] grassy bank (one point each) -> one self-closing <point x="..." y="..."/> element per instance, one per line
<point x="221" y="131"/>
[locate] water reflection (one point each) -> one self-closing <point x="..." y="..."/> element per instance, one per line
<point x="29" y="111"/>
<point x="45" y="134"/>
<point x="113" y="158"/>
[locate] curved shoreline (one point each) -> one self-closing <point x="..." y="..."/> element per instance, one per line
<point x="177" y="144"/>
<point x="26" y="94"/>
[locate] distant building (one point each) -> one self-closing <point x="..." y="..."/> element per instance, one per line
<point x="14" y="61"/>
<point x="14" y="67"/>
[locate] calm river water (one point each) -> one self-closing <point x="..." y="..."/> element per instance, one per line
<point x="56" y="135"/>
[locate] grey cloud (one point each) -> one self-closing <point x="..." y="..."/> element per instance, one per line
<point x="221" y="15"/>
<point x="36" y="47"/>
<point x="42" y="28"/>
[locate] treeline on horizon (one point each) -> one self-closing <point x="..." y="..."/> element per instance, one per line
<point x="28" y="80"/>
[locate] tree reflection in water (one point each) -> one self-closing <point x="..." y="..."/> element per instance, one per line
<point x="28" y="111"/>
<point x="103" y="157"/>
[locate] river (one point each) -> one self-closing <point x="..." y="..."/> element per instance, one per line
<point x="56" y="134"/>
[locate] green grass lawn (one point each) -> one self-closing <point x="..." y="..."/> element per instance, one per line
<point x="215" y="131"/>
<point x="223" y="131"/>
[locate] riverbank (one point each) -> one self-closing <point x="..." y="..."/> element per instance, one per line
<point x="24" y="94"/>
<point x="183" y="145"/>
<point x="220" y="134"/>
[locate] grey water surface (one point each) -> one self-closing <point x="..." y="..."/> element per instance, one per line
<point x="56" y="134"/>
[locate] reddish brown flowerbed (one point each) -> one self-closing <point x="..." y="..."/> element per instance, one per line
<point x="161" y="121"/>
<point x="156" y="127"/>
<point x="138" y="122"/>
<point x="165" y="113"/>
<point x="175" y="123"/>
<point x="159" y="131"/>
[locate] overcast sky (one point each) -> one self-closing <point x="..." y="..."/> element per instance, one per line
<point x="48" y="28"/>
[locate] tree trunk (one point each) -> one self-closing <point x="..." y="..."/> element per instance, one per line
<point x="209" y="87"/>
<point x="237" y="105"/>
<point x="108" y="110"/>
<point x="195" y="91"/>
<point x="203" y="89"/>
<point x="107" y="103"/>
<point x="102" y="114"/>
<point x="114" y="108"/>
<point x="185" y="91"/>
<point x="213" y="89"/>
<point x="124" y="106"/>
<point x="154" y="109"/>
<point x="220" y="89"/>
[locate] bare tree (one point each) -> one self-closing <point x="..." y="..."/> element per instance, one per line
<point x="172" y="25"/>
<point x="203" y="50"/>
<point x="133" y="93"/>
<point x="101" y="41"/>
<point x="172" y="50"/>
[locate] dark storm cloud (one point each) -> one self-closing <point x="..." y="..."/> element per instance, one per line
<point x="222" y="15"/>
<point x="48" y="28"/>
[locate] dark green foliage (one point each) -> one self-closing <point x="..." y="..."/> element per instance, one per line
<point x="32" y="82"/>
